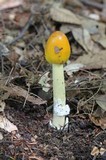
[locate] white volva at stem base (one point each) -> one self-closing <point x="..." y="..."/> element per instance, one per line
<point x="59" y="120"/>
<point x="59" y="97"/>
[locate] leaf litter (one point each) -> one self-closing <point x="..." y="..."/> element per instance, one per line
<point x="25" y="81"/>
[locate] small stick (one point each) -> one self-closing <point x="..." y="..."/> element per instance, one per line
<point x="22" y="33"/>
<point x="92" y="4"/>
<point x="26" y="95"/>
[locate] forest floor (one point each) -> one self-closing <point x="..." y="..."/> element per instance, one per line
<point x="26" y="80"/>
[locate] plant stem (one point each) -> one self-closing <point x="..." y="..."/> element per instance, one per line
<point x="59" y="96"/>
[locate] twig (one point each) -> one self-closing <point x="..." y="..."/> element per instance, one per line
<point x="20" y="92"/>
<point x="92" y="4"/>
<point x="92" y="96"/>
<point x="26" y="95"/>
<point x="9" y="77"/>
<point x="22" y="33"/>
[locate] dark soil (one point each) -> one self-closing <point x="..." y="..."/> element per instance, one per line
<point x="37" y="141"/>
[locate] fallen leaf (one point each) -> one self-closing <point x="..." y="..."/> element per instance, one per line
<point x="73" y="67"/>
<point x="63" y="15"/>
<point x="16" y="90"/>
<point x="101" y="101"/>
<point x="7" y="125"/>
<point x="99" y="112"/>
<point x="83" y="37"/>
<point x="95" y="151"/>
<point x="93" y="27"/>
<point x="96" y="59"/>
<point x="5" y="4"/>
<point x="20" y="92"/>
<point x="44" y="82"/>
<point x="99" y="121"/>
<point x="94" y="16"/>
<point x="101" y="39"/>
<point x="102" y="151"/>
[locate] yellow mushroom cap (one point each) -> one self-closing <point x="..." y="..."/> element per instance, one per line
<point x="57" y="49"/>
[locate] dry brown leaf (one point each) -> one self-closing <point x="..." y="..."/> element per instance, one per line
<point x="5" y="4"/>
<point x="72" y="68"/>
<point x="101" y="39"/>
<point x="83" y="37"/>
<point x="93" y="27"/>
<point x="63" y="15"/>
<point x="98" y="121"/>
<point x="102" y="151"/>
<point x="20" y="92"/>
<point x="95" y="151"/>
<point x="99" y="112"/>
<point x="44" y="82"/>
<point x="101" y="101"/>
<point x="7" y="125"/>
<point x="97" y="59"/>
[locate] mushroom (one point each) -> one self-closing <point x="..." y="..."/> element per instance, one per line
<point x="57" y="52"/>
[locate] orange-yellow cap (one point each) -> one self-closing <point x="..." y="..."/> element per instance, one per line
<point x="57" y="49"/>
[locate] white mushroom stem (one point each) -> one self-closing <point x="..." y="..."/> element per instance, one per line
<point x="60" y="109"/>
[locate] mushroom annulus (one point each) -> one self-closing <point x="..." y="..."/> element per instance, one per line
<point x="57" y="52"/>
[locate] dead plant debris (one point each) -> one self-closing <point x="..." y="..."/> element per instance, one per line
<point x="26" y="80"/>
